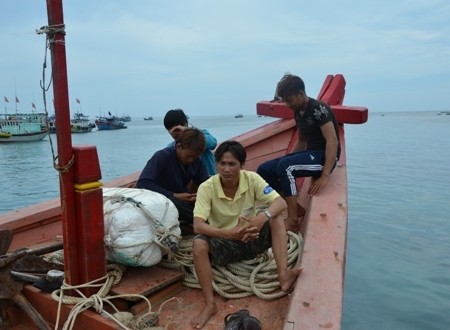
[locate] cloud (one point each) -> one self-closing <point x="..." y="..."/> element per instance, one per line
<point x="227" y="55"/>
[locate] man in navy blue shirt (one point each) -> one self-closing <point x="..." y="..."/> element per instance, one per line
<point x="176" y="172"/>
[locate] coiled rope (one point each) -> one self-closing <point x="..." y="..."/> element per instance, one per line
<point x="97" y="301"/>
<point x="257" y="276"/>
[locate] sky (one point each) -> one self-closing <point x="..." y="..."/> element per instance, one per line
<point x="144" y="57"/>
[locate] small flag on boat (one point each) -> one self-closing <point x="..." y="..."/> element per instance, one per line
<point x="33" y="105"/>
<point x="17" y="100"/>
<point x="6" y="100"/>
<point x="78" y="101"/>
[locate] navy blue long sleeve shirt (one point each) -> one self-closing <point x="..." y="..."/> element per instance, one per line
<point x="165" y="174"/>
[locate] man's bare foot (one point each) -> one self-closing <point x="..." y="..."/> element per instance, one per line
<point x="291" y="225"/>
<point x="287" y="283"/>
<point x="201" y="318"/>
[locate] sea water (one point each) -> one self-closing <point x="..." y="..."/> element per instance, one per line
<point x="398" y="249"/>
<point x="398" y="252"/>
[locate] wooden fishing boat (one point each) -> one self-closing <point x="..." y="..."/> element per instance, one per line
<point x="106" y="123"/>
<point x="80" y="123"/>
<point x="75" y="222"/>
<point x="125" y="118"/>
<point x="22" y="127"/>
<point x="316" y="301"/>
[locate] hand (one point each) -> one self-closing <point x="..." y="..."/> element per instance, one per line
<point x="247" y="229"/>
<point x="177" y="128"/>
<point x="185" y="197"/>
<point x="317" y="185"/>
<point x="175" y="131"/>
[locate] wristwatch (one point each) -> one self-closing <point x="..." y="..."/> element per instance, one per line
<point x="268" y="214"/>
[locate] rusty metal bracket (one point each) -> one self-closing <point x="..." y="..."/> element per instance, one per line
<point x="11" y="289"/>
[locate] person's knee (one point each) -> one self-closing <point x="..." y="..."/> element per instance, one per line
<point x="282" y="167"/>
<point x="200" y="247"/>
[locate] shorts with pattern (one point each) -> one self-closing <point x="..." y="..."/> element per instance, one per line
<point x="223" y="251"/>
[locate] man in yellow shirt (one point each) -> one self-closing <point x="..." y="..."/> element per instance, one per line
<point x="227" y="228"/>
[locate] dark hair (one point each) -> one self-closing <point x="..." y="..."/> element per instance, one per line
<point x="289" y="85"/>
<point x="175" y="117"/>
<point x="234" y="147"/>
<point x="192" y="139"/>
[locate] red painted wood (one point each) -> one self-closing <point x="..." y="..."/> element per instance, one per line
<point x="325" y="85"/>
<point x="90" y="232"/>
<point x="86" y="165"/>
<point x="62" y="117"/>
<point x="334" y="94"/>
<point x="48" y="308"/>
<point x="40" y="223"/>
<point x="344" y="114"/>
<point x="316" y="302"/>
<point x="317" y="298"/>
<point x="89" y="216"/>
<point x="350" y="114"/>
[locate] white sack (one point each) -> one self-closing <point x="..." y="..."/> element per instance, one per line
<point x="133" y="219"/>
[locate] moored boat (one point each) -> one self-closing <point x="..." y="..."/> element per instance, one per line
<point x="239" y="115"/>
<point x="80" y="123"/>
<point x="76" y="219"/>
<point x="109" y="123"/>
<point x="148" y="118"/>
<point x="315" y="302"/>
<point x="125" y="118"/>
<point x="22" y="127"/>
<point x="51" y="123"/>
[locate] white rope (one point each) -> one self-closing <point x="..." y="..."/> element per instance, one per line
<point x="98" y="300"/>
<point x="240" y="279"/>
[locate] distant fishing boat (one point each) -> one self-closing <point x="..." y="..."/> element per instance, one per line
<point x="22" y="127"/>
<point x="125" y="118"/>
<point x="110" y="122"/>
<point x="81" y="124"/>
<point x="148" y="118"/>
<point x="239" y="115"/>
<point x="51" y="120"/>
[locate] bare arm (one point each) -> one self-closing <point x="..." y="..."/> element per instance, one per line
<point x="331" y="148"/>
<point x="201" y="227"/>
<point x="246" y="230"/>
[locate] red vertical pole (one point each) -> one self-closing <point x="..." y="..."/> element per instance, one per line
<point x="64" y="143"/>
<point x="81" y="193"/>
<point x="89" y="213"/>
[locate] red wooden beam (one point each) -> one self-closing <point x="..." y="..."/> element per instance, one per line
<point x="332" y="93"/>
<point x="64" y="141"/>
<point x="89" y="215"/>
<point x="344" y="114"/>
<point x="81" y="195"/>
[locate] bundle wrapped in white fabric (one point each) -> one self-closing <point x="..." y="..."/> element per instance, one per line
<point x="140" y="226"/>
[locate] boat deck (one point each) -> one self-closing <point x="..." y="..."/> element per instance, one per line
<point x="175" y="303"/>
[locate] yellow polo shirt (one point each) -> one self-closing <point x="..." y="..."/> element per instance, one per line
<point x="222" y="212"/>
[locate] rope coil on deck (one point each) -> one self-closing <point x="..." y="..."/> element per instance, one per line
<point x="97" y="301"/>
<point x="257" y="276"/>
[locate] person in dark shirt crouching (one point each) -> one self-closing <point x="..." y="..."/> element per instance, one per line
<point x="176" y="172"/>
